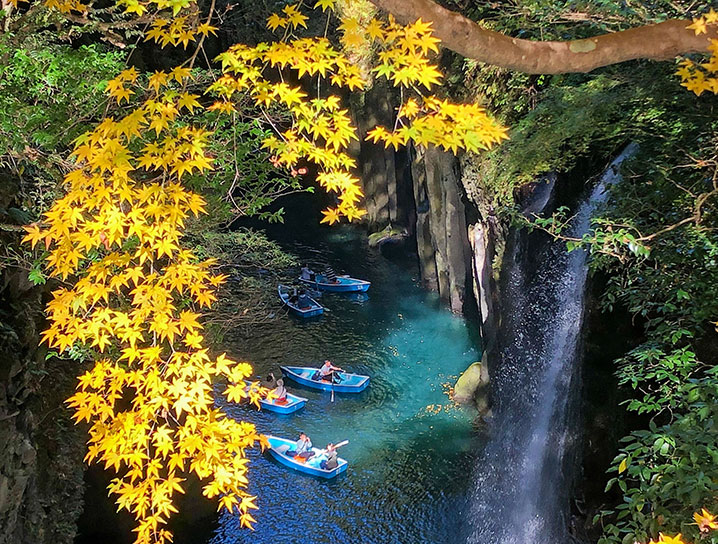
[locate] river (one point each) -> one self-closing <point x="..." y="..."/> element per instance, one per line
<point x="411" y="453"/>
<point x="410" y="450"/>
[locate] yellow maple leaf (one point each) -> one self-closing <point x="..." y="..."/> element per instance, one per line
<point x="275" y="21"/>
<point x="331" y="216"/>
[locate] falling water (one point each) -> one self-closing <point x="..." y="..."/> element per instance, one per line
<point x="522" y="481"/>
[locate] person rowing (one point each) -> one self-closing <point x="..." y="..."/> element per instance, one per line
<point x="330" y="276"/>
<point x="329" y="372"/>
<point x="303" y="300"/>
<point x="330" y="460"/>
<point x="307" y="273"/>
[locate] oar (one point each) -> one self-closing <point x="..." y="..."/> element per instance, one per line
<point x="333" y="384"/>
<point x="342" y="443"/>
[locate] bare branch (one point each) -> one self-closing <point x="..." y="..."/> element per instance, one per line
<point x="660" y="41"/>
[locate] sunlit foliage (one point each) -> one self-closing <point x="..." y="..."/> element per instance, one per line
<point x="321" y="128"/>
<point x="702" y="77"/>
<point x="131" y="296"/>
<point x="705" y="521"/>
<point x="136" y="305"/>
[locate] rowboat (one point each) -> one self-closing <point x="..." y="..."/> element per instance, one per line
<point x="350" y="383"/>
<point x="343" y="284"/>
<point x="291" y="404"/>
<point x="278" y="448"/>
<point x="312" y="310"/>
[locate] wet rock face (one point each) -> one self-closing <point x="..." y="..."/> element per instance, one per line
<point x="415" y="191"/>
<point x="40" y="450"/>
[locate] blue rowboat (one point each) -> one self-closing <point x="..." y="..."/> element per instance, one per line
<point x="291" y="404"/>
<point x="279" y="446"/>
<point x="312" y="310"/>
<point x="344" y="284"/>
<point x="351" y="383"/>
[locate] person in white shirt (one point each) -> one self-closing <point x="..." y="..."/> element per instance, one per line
<point x="328" y="372"/>
<point x="280" y="391"/>
<point x="307" y="273"/>
<point x="302" y="448"/>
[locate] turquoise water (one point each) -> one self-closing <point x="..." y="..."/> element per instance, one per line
<point x="410" y="452"/>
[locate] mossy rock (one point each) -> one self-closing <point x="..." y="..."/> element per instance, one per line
<point x="467" y="384"/>
<point x="388" y="234"/>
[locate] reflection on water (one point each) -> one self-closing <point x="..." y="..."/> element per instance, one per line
<point x="409" y="453"/>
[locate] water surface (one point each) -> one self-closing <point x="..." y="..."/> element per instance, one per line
<point x="410" y="451"/>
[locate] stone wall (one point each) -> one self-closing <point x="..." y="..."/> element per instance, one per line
<point x="41" y="451"/>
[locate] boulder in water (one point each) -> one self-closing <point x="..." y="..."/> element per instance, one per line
<point x="468" y="384"/>
<point x="390" y="234"/>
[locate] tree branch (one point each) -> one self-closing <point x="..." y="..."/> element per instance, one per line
<point x="660" y="41"/>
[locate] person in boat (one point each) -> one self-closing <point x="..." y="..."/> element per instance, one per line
<point x="303" y="300"/>
<point x="307" y="273"/>
<point x="270" y="382"/>
<point x="330" y="276"/>
<point x="293" y="296"/>
<point x="280" y="391"/>
<point x="329" y="372"/>
<point x="330" y="462"/>
<point x="302" y="448"/>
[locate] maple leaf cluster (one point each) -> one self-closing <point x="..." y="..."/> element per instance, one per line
<point x="171" y="22"/>
<point x="706" y="523"/>
<point x="702" y="77"/>
<point x="321" y="128"/>
<point x="135" y="302"/>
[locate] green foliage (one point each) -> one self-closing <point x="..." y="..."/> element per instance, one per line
<point x="669" y="471"/>
<point x="49" y="92"/>
<point x="243" y="249"/>
<point x="575" y="19"/>
<point x="245" y="181"/>
<point x="656" y="242"/>
<point x="569" y="122"/>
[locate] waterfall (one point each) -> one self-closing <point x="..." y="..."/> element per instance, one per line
<point x="522" y="482"/>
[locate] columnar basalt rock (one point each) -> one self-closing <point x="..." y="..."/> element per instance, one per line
<point x="377" y="165"/>
<point x="441" y="233"/>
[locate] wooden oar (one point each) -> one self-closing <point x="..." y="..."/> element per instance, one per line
<point x="339" y="445"/>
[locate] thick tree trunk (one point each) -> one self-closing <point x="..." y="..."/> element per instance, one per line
<point x="660" y="41"/>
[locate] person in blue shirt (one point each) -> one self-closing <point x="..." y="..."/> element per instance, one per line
<point x="303" y="300"/>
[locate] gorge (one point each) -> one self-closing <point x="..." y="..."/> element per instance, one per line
<point x="540" y="336"/>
